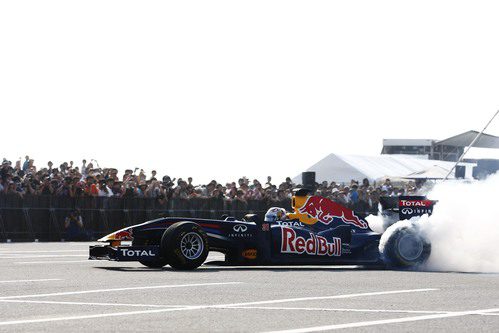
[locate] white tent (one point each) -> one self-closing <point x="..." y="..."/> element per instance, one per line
<point x="343" y="168"/>
<point x="434" y="172"/>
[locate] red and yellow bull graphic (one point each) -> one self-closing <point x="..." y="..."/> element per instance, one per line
<point x="313" y="209"/>
<point x="118" y="236"/>
<point x="123" y="235"/>
<point x="315" y="245"/>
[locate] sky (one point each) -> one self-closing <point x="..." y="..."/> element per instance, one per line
<point x="224" y="89"/>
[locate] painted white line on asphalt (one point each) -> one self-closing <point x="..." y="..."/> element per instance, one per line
<point x="90" y="303"/>
<point x="35" y="280"/>
<point x="121" y="289"/>
<point x="45" y="256"/>
<point x="385" y="321"/>
<point x="53" y="262"/>
<point x="376" y="293"/>
<point x="199" y="307"/>
<point x="334" y="309"/>
<point x="218" y="307"/>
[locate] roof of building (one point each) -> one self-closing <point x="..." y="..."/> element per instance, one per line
<point x="461" y="140"/>
<point x="407" y="142"/>
<point x="465" y="139"/>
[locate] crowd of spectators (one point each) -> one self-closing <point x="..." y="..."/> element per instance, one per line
<point x="89" y="179"/>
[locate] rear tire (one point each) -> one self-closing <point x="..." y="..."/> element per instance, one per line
<point x="185" y="245"/>
<point x="406" y="248"/>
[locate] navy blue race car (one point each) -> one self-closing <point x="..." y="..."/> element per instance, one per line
<point x="318" y="232"/>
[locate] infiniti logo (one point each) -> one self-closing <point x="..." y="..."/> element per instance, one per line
<point x="240" y="228"/>
<point x="407" y="211"/>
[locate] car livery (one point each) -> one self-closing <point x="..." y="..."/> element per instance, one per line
<point x="318" y="231"/>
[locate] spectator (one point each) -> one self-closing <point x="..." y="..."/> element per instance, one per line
<point x="269" y="182"/>
<point x="104" y="190"/>
<point x="73" y="225"/>
<point x="26" y="163"/>
<point x="353" y="196"/>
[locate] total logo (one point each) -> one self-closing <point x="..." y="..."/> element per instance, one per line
<point x="315" y="245"/>
<point x="291" y="224"/>
<point x="415" y="203"/>
<point x="137" y="253"/>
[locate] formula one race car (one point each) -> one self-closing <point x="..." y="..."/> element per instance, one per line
<point x="319" y="232"/>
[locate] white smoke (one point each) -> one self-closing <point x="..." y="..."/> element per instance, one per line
<point x="464" y="228"/>
<point x="376" y="223"/>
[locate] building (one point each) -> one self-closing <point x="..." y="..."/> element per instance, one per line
<point x="449" y="149"/>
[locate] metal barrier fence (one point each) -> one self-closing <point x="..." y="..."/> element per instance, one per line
<point x="42" y="218"/>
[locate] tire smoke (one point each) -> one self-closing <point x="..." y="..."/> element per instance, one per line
<point x="463" y="229"/>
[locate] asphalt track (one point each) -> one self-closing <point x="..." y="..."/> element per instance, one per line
<point x="47" y="287"/>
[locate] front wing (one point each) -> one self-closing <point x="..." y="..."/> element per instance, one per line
<point x="124" y="253"/>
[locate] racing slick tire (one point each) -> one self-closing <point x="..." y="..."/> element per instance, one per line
<point x="405" y="247"/>
<point x="184" y="245"/>
<point x="160" y="263"/>
<point x="151" y="263"/>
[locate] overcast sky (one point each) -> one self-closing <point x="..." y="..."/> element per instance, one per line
<point x="222" y="89"/>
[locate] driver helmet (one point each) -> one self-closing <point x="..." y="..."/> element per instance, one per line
<point x="275" y="214"/>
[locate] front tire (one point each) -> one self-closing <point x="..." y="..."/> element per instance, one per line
<point x="405" y="248"/>
<point x="185" y="245"/>
<point x="151" y="263"/>
<point x="160" y="263"/>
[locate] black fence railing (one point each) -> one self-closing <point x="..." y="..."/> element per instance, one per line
<point x="42" y="217"/>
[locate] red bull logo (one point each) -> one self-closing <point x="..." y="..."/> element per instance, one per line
<point x="123" y="235"/>
<point x="325" y="211"/>
<point x="315" y="245"/>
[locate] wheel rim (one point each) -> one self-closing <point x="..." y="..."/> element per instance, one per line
<point x="410" y="247"/>
<point x="191" y="245"/>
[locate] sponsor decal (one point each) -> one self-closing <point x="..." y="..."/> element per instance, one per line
<point x="240" y="228"/>
<point x="249" y="254"/>
<point x="136" y="253"/>
<point x="291" y="224"/>
<point x="240" y="231"/>
<point x="325" y="210"/>
<point x="406" y="210"/>
<point x="315" y="245"/>
<point x="124" y="235"/>
<point x="414" y="207"/>
<point x="415" y="203"/>
<point x="416" y="211"/>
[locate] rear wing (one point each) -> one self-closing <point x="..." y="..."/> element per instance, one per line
<point x="408" y="206"/>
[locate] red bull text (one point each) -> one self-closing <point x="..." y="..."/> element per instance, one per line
<point x="315" y="245"/>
